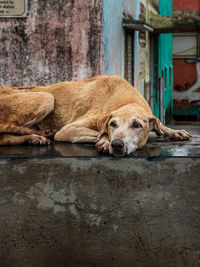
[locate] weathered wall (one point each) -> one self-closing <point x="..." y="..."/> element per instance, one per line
<point x="99" y="212"/>
<point x="59" y="40"/>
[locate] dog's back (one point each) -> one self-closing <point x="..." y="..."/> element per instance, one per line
<point x="100" y="94"/>
<point x="94" y="96"/>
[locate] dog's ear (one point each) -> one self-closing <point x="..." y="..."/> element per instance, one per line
<point x="154" y="125"/>
<point x="102" y="124"/>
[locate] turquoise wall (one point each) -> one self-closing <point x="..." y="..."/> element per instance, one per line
<point x="114" y="35"/>
<point x="163" y="64"/>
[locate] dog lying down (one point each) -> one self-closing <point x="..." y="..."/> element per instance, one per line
<point x="105" y="110"/>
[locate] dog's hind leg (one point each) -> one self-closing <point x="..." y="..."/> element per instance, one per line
<point x="33" y="139"/>
<point x="18" y="112"/>
<point x="20" y="130"/>
<point x="14" y="129"/>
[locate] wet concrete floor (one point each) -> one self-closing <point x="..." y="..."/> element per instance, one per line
<point x="156" y="147"/>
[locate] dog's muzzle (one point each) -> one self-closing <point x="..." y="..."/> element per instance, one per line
<point x="118" y="147"/>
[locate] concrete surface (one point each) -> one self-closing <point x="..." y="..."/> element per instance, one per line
<point x="63" y="205"/>
<point x="156" y="148"/>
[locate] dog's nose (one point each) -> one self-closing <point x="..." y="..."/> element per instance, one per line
<point x="117" y="144"/>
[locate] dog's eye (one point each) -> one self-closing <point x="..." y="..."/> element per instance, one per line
<point x="136" y="125"/>
<point x="113" y="124"/>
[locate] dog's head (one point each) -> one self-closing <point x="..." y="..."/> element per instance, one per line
<point x="128" y="129"/>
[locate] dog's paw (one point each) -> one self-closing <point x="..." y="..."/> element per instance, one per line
<point x="34" y="139"/>
<point x="181" y="135"/>
<point x="49" y="133"/>
<point x="103" y="144"/>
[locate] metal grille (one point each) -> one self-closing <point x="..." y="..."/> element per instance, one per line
<point x="129" y="56"/>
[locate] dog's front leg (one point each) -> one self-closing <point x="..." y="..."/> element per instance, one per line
<point x="77" y="132"/>
<point x="181" y="135"/>
<point x="160" y="129"/>
<point x="103" y="144"/>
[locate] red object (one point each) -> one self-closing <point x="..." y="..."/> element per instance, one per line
<point x="185" y="74"/>
<point x="186" y="5"/>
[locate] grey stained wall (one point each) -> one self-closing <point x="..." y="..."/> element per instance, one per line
<point x="57" y="41"/>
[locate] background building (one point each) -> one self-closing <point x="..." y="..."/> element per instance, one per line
<point x="163" y="68"/>
<point x="186" y="54"/>
<point x="55" y="41"/>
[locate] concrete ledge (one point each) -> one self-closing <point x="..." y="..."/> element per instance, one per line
<point x="99" y="212"/>
<point x="65" y="205"/>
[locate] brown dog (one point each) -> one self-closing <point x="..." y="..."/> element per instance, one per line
<point x="105" y="110"/>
